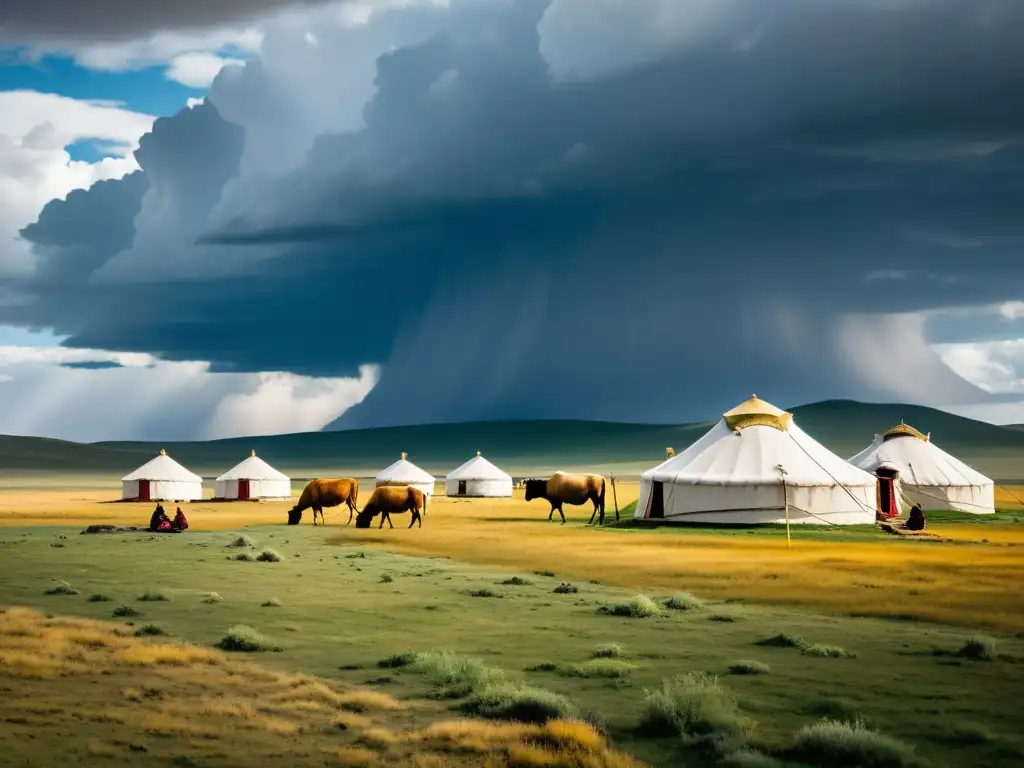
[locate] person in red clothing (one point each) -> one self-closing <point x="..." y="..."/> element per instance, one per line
<point x="180" y="523"/>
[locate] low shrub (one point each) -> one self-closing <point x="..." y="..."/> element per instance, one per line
<point x="829" y="652"/>
<point x="521" y="703"/>
<point x="544" y="666"/>
<point x="849" y="745"/>
<point x="396" y="660"/>
<point x="245" y="639"/>
<point x="149" y="630"/>
<point x="244" y="557"/>
<point x="684" y="601"/>
<point x="454" y="676"/>
<point x="154" y="596"/>
<point x="978" y="648"/>
<point x="637" y="607"/>
<point x="125" y="610"/>
<point x="696" y="708"/>
<point x="212" y="597"/>
<point x="98" y="598"/>
<point x="783" y="640"/>
<point x="749" y="668"/>
<point x="271" y="602"/>
<point x="607" y="669"/>
<point x="483" y="592"/>
<point x="62" y="588"/>
<point x="386" y="579"/>
<point x="515" y="581"/>
<point x="269" y="556"/>
<point x="243" y="542"/>
<point x="608" y="651"/>
<point x="566" y="589"/>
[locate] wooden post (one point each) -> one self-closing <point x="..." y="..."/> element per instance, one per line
<point x="615" y="498"/>
<point x="785" y="498"/>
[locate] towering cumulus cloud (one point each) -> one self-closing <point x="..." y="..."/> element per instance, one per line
<point x="637" y="209"/>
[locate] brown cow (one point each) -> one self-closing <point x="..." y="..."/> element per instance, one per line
<point x="320" y="493"/>
<point x="561" y="489"/>
<point x="388" y="499"/>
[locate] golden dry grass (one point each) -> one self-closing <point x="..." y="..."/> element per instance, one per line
<point x="119" y="699"/>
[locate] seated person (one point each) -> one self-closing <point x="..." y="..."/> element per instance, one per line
<point x="916" y="520"/>
<point x="179" y="523"/>
<point x="158" y="517"/>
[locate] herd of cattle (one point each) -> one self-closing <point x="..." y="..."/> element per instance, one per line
<point x="387" y="500"/>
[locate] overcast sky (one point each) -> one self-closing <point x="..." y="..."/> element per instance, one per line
<point x="412" y="211"/>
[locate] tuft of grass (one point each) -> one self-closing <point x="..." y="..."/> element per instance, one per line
<point x="515" y="581"/>
<point x="386" y="579"/>
<point x="62" y="588"/>
<point x="98" y="598"/>
<point x="749" y="668"/>
<point x="608" y="651"/>
<point x="271" y="602"/>
<point x="369" y="701"/>
<point x="244" y="557"/>
<point x="269" y="556"/>
<point x="243" y="542"/>
<point x="637" y="607"/>
<point x="684" y="601"/>
<point x="547" y="574"/>
<point x="544" y="666"/>
<point x="749" y="758"/>
<point x="212" y="597"/>
<point x="149" y="630"/>
<point x="483" y="592"/>
<point x="396" y="660"/>
<point x="606" y="669"/>
<point x="696" y="708"/>
<point x="979" y="648"/>
<point x="724" y="617"/>
<point x="783" y="640"/>
<point x="154" y="596"/>
<point x="829" y="652"/>
<point x="849" y="745"/>
<point x="565" y="589"/>
<point x="245" y="639"/>
<point x="125" y="610"/>
<point x="521" y="703"/>
<point x="454" y="676"/>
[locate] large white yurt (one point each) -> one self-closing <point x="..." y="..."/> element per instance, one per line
<point x="749" y="468"/>
<point x="404" y="472"/>
<point x="252" y="480"/>
<point x="161" y="479"/>
<point x="478" y="477"/>
<point x="927" y="474"/>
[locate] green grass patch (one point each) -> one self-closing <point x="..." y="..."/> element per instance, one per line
<point x="749" y="668"/>
<point x="453" y="676"/>
<point x="606" y="669"/>
<point x="833" y="743"/>
<point x="522" y="703"/>
<point x="246" y="640"/>
<point x="608" y="651"/>
<point x="696" y="708"/>
<point x="637" y="607"/>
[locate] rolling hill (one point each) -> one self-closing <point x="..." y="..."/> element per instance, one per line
<point x="522" y="447"/>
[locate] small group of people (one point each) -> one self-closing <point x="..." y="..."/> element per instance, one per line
<point x="161" y="523"/>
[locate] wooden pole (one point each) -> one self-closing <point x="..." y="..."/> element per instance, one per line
<point x="785" y="498"/>
<point x="615" y="498"/>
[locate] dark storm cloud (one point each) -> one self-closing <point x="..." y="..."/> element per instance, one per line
<point x="648" y="245"/>
<point x="93" y="20"/>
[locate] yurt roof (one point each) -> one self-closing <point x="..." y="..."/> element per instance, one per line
<point x="478" y="468"/>
<point x="163" y="467"/>
<point x="404" y="471"/>
<point x="253" y="468"/>
<point x="755" y="412"/>
<point x="757" y="454"/>
<point x="905" y="430"/>
<point x="919" y="461"/>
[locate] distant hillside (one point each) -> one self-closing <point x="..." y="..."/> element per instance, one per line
<point x="522" y="447"/>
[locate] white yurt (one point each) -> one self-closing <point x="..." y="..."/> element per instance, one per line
<point x="161" y="479"/>
<point x="749" y="468"/>
<point x="478" y="477"/>
<point x="404" y="472"/>
<point x="927" y="474"/>
<point x="253" y="480"/>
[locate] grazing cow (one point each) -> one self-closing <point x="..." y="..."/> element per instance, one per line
<point x="320" y="493"/>
<point x="393" y="499"/>
<point x="561" y="489"/>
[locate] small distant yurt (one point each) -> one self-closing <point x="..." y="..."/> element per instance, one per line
<point x="926" y="473"/>
<point x="404" y="472"/>
<point x="161" y="479"/>
<point x="749" y="468"/>
<point x="253" y="480"/>
<point x="478" y="477"/>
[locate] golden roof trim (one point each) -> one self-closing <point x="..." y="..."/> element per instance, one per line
<point x="905" y="430"/>
<point x="756" y="412"/>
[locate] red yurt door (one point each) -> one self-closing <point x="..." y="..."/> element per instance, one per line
<point x="243" y="490"/>
<point x="144" y="490"/>
<point x="887" y="507"/>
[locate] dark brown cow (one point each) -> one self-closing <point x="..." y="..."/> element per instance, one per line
<point x="561" y="489"/>
<point x="320" y="493"/>
<point x="393" y="499"/>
